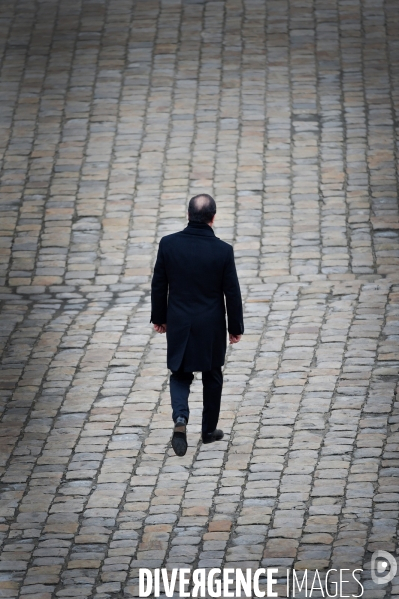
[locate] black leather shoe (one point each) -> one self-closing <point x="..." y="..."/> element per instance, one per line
<point x="217" y="435"/>
<point x="179" y="439"/>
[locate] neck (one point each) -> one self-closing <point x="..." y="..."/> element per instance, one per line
<point x="193" y="223"/>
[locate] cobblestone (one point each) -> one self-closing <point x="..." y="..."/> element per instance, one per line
<point x="113" y="113"/>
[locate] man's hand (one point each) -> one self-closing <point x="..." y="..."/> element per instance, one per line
<point x="234" y="338"/>
<point x="160" y="328"/>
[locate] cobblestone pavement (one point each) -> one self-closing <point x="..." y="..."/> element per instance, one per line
<point x="114" y="112"/>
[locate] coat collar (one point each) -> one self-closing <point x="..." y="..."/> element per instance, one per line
<point x="198" y="229"/>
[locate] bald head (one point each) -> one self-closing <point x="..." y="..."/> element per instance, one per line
<point x="201" y="208"/>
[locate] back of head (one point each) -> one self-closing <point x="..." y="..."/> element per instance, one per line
<point x="201" y="208"/>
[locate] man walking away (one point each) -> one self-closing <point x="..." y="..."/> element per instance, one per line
<point x="194" y="283"/>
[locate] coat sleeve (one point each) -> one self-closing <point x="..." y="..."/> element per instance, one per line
<point x="231" y="290"/>
<point x="159" y="290"/>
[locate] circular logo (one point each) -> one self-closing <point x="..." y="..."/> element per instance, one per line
<point x="381" y="561"/>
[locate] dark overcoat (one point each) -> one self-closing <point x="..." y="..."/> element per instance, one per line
<point x="194" y="276"/>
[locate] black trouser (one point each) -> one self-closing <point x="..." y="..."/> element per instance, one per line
<point x="212" y="382"/>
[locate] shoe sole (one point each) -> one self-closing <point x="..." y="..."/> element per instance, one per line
<point x="212" y="440"/>
<point x="179" y="447"/>
<point x="179" y="443"/>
